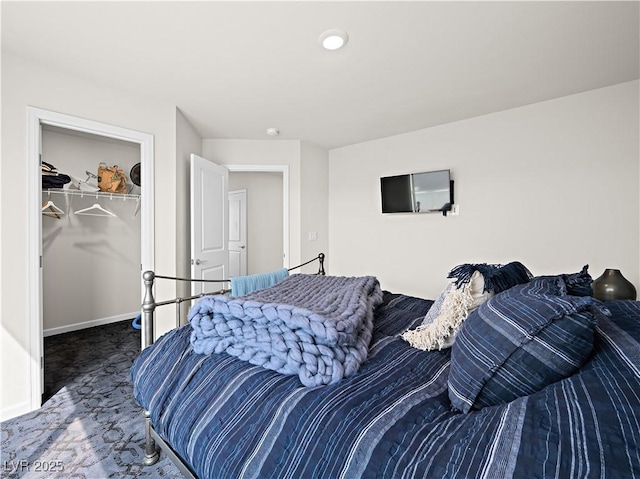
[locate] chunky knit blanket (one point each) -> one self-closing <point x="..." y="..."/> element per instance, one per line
<point x="318" y="327"/>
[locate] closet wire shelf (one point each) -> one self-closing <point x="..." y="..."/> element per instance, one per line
<point x="93" y="194"/>
<point x="51" y="210"/>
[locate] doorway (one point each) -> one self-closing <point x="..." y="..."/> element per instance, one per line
<point x="275" y="251"/>
<point x="37" y="119"/>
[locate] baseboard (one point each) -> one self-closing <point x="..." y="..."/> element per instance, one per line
<point x="14" y="411"/>
<point x="89" y="324"/>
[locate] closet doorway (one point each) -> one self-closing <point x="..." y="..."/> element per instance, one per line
<point x="88" y="233"/>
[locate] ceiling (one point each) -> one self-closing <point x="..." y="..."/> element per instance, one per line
<point x="237" y="68"/>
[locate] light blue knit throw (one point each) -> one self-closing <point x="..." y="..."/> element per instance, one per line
<point x="318" y="327"/>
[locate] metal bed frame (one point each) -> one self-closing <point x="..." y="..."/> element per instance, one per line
<point x="149" y="305"/>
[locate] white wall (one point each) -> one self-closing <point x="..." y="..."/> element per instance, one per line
<point x="188" y="141"/>
<point x="314" y="195"/>
<point x="554" y="185"/>
<point x="91" y="264"/>
<point x="264" y="218"/>
<point x="25" y="83"/>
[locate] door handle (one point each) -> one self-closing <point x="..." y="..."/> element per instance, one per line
<point x="200" y="261"/>
<point x="242" y="247"/>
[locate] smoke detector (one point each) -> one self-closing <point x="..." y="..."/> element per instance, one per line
<point x="272" y="132"/>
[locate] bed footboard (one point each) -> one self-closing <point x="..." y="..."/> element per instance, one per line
<point x="149" y="304"/>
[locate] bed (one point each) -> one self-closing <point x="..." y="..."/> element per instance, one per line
<point x="540" y="380"/>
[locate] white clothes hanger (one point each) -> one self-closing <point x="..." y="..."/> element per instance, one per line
<point x="135" y="212"/>
<point x="50" y="209"/>
<point x="95" y="210"/>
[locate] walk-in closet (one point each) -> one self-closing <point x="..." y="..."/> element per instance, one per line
<point x="90" y="239"/>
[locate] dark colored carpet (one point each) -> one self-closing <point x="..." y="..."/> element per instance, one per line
<point x="90" y="427"/>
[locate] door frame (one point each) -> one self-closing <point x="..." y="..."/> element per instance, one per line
<point x="36" y="118"/>
<point x="284" y="169"/>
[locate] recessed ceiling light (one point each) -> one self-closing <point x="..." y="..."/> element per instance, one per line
<point x="333" y="39"/>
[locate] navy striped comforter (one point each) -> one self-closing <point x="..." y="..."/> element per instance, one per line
<point x="229" y="419"/>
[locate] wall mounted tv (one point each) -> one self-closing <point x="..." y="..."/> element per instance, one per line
<point x="428" y="192"/>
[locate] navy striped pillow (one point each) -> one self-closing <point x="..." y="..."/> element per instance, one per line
<point x="520" y="341"/>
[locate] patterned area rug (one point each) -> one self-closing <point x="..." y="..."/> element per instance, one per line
<point x="90" y="427"/>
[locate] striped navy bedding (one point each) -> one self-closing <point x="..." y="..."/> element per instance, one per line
<point x="393" y="419"/>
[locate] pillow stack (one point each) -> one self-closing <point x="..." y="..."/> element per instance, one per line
<point x="522" y="340"/>
<point x="472" y="285"/>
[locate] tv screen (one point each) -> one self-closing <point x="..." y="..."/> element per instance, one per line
<point x="396" y="194"/>
<point x="425" y="192"/>
<point x="431" y="191"/>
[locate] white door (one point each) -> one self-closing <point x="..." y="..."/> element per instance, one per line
<point x="209" y="224"/>
<point x="237" y="233"/>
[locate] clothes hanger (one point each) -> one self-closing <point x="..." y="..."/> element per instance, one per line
<point x="50" y="209"/>
<point x="135" y="212"/>
<point x="95" y="210"/>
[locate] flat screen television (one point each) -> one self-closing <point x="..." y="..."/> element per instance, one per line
<point x="426" y="192"/>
